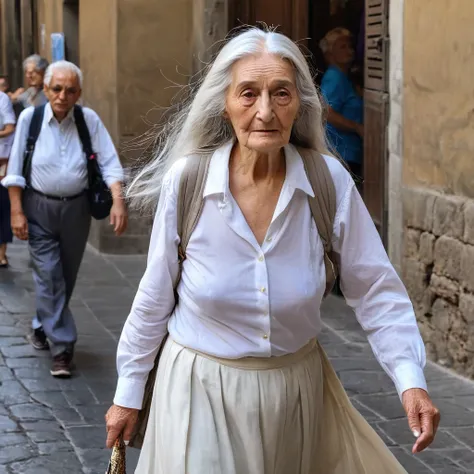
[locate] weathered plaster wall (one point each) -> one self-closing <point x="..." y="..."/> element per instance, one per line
<point x="133" y="55"/>
<point x="438" y="176"/>
<point x="439" y="95"/>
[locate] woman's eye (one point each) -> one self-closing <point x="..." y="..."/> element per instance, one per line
<point x="282" y="93"/>
<point x="248" y="95"/>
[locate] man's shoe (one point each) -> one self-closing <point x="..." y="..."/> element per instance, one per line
<point x="37" y="338"/>
<point x="61" y="367"/>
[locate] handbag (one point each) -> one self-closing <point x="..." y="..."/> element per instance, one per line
<point x="190" y="204"/>
<point x="98" y="193"/>
<point x="118" y="460"/>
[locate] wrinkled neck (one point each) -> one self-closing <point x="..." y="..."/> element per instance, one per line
<point x="257" y="166"/>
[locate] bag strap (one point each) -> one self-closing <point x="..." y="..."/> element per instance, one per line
<point x="83" y="132"/>
<point x="323" y="207"/>
<point x="33" y="134"/>
<point x="190" y="198"/>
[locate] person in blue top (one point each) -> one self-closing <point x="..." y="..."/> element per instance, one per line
<point x="345" y="105"/>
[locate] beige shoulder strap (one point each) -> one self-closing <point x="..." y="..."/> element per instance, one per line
<point x="190" y="198"/>
<point x="323" y="207"/>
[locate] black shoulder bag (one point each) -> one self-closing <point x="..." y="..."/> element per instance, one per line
<point x="100" y="197"/>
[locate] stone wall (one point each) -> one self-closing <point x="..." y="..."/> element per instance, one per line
<point x="438" y="270"/>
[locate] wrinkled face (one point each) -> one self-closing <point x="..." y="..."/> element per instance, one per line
<point x="29" y="70"/>
<point x="63" y="92"/>
<point x="3" y="84"/>
<point x="36" y="78"/>
<point x="262" y="102"/>
<point x="342" y="51"/>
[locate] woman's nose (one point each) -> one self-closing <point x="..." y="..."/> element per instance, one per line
<point x="265" y="108"/>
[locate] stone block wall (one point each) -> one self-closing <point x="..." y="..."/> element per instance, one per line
<point x="438" y="271"/>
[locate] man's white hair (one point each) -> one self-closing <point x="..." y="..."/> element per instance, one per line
<point x="63" y="66"/>
<point x="38" y="61"/>
<point x="199" y="126"/>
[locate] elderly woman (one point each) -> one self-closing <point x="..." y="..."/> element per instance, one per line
<point x="34" y="67"/>
<point x="345" y="106"/>
<point x="242" y="385"/>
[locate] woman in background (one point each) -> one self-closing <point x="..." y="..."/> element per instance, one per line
<point x="345" y="105"/>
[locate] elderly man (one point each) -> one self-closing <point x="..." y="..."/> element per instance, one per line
<point x="50" y="207"/>
<point x="34" y="67"/>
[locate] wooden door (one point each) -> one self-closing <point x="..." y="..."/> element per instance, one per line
<point x="376" y="102"/>
<point x="290" y="16"/>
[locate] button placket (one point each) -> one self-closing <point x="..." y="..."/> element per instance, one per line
<point x="261" y="274"/>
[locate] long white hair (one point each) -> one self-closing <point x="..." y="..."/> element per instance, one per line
<point x="199" y="127"/>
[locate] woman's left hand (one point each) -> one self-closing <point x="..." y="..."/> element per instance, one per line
<point x="118" y="216"/>
<point x="423" y="417"/>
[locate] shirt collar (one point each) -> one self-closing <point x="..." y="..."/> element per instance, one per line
<point x="48" y="114"/>
<point x="218" y="176"/>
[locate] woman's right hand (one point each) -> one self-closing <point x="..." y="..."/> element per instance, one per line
<point x="19" y="225"/>
<point x="360" y="130"/>
<point x="120" y="421"/>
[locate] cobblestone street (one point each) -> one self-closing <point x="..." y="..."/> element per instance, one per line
<point x="50" y="426"/>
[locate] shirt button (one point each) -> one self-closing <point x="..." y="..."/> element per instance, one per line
<point x="265" y="336"/>
<point x="260" y="259"/>
<point x="263" y="289"/>
<point x="269" y="239"/>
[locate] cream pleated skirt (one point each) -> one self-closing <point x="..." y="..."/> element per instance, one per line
<point x="278" y="415"/>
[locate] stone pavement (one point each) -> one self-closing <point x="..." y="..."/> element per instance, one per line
<point x="50" y="426"/>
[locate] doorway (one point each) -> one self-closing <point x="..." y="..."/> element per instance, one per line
<point x="71" y="30"/>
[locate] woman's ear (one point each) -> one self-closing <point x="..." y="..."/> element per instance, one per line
<point x="225" y="115"/>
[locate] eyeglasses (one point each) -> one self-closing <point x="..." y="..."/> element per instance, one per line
<point x="68" y="90"/>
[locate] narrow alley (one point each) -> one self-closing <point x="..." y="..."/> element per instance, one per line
<point x="48" y="423"/>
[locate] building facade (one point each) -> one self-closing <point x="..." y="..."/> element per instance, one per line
<point x="419" y="104"/>
<point x="438" y="177"/>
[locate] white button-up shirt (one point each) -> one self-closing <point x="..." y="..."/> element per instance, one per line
<point x="238" y="298"/>
<point x="59" y="167"/>
<point x="7" y="116"/>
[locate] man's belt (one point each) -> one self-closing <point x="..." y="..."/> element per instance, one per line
<point x="58" y="198"/>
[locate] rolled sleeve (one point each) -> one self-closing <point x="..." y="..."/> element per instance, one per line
<point x="373" y="289"/>
<point x="102" y="144"/>
<point x="13" y="180"/>
<point x="15" y="163"/>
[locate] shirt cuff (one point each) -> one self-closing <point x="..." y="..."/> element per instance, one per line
<point x="13" y="180"/>
<point x="112" y="179"/>
<point x="129" y="393"/>
<point x="409" y="375"/>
